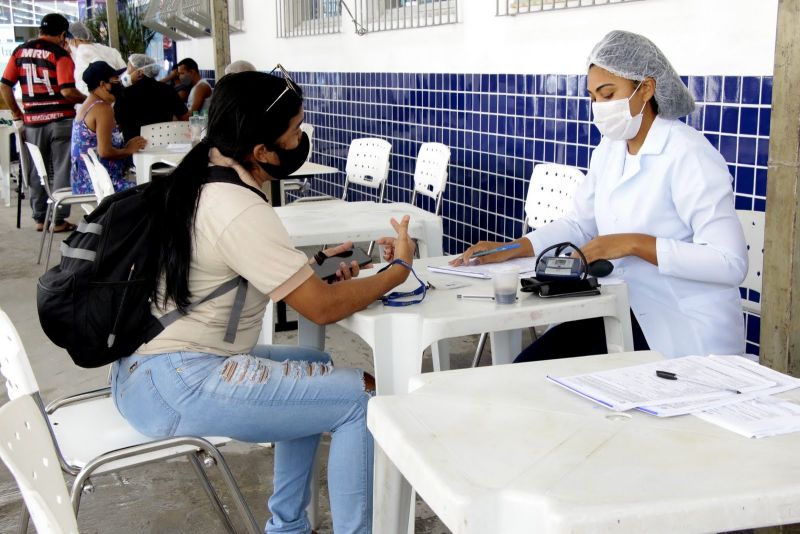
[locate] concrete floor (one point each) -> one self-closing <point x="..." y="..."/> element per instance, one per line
<point x="157" y="498"/>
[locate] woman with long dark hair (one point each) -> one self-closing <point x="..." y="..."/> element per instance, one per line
<point x="204" y="374"/>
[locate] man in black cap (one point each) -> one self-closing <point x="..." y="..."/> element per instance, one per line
<point x="45" y="71"/>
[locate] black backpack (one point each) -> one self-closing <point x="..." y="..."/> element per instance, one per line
<point x="96" y="302"/>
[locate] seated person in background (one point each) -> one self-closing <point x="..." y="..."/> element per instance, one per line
<point x="200" y="92"/>
<point x="144" y="100"/>
<point x="240" y="66"/>
<point x="658" y="201"/>
<point x="172" y="80"/>
<point x="94" y="127"/>
<point x="85" y="51"/>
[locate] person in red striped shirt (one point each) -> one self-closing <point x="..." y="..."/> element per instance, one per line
<point x="45" y="71"/>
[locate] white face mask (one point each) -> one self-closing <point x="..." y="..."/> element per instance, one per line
<point x="125" y="78"/>
<point x="614" y="119"/>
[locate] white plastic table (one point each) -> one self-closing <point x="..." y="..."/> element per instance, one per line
<point x="334" y="221"/>
<point x="501" y="450"/>
<point x="145" y="159"/>
<point x="399" y="335"/>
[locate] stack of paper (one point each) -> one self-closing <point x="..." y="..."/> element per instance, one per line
<point x="701" y="379"/>
<point x="526" y="266"/>
<point x="756" y="418"/>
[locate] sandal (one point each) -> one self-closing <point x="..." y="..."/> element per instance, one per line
<point x="66" y="226"/>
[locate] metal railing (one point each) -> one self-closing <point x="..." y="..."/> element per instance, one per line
<point x="297" y="18"/>
<point x="510" y="8"/>
<point x="383" y="15"/>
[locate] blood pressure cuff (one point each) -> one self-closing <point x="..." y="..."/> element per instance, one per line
<point x="561" y="288"/>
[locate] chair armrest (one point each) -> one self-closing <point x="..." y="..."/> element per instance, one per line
<point x="72" y="399"/>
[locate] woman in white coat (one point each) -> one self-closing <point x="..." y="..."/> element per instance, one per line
<point x="658" y="202"/>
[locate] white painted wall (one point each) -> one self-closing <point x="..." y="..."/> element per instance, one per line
<point x="700" y="37"/>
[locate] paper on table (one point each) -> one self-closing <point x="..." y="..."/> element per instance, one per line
<point x="634" y="386"/>
<point x="527" y="266"/>
<point x="782" y="383"/>
<point x="756" y="418"/>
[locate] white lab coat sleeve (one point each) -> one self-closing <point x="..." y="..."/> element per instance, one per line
<point x="578" y="226"/>
<point x="703" y="197"/>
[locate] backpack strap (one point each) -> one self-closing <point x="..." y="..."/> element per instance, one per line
<point x="236" y="311"/>
<point x="217" y="173"/>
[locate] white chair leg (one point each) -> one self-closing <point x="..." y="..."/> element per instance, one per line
<point x="479" y="349"/>
<point x="53" y="215"/>
<point x="44" y="232"/>
<point x="211" y="493"/>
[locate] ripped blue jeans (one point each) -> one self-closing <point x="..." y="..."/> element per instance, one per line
<point x="287" y="395"/>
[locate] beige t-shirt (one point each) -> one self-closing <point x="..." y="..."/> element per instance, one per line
<point x="236" y="233"/>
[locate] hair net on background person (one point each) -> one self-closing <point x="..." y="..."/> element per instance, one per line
<point x="80" y="31"/>
<point x="240" y="66"/>
<point x="147" y="65"/>
<point x="635" y="57"/>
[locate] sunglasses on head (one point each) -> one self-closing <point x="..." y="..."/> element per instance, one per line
<point x="290" y="85"/>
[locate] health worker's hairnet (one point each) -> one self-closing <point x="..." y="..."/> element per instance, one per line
<point x="146" y="64"/>
<point x="240" y="66"/>
<point x="635" y="57"/>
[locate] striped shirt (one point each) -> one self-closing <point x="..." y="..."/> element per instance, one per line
<point x="43" y="69"/>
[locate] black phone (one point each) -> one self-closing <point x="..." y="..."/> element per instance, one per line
<point x="327" y="269"/>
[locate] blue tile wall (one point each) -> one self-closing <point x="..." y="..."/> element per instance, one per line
<point x="499" y="126"/>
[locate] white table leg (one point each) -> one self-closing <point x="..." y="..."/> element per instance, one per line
<point x="392" y="497"/>
<point x="440" y="355"/>
<point x="396" y="354"/>
<point x="310" y="334"/>
<point x="506" y="346"/>
<point x="619" y="336"/>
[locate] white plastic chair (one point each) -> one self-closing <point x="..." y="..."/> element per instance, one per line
<point x="101" y="181"/>
<point x="430" y="172"/>
<point x="28" y="452"/>
<point x="55" y="199"/>
<point x="92" y="438"/>
<point x="549" y="197"/>
<point x="550" y="193"/>
<point x="164" y="133"/>
<point x="368" y="164"/>
<point x="753" y="225"/>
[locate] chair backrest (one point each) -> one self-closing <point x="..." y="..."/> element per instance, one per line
<point x="550" y="192"/>
<point x="309" y="131"/>
<point x="368" y="163"/>
<point x="27" y="450"/>
<point x="430" y="171"/>
<point x="101" y="180"/>
<point x="41" y="168"/>
<point x="14" y="363"/>
<point x="164" y="133"/>
<point x="753" y="225"/>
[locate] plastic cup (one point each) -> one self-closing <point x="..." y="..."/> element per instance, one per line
<point x="505" y="284"/>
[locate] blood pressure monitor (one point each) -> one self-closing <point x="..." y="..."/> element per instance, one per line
<point x="560" y="268"/>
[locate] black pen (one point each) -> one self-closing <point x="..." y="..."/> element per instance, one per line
<point x="666" y="375"/>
